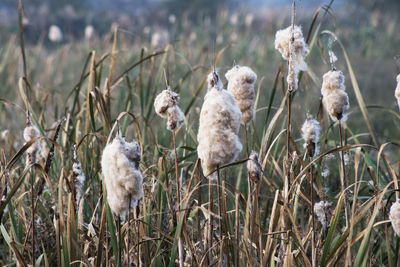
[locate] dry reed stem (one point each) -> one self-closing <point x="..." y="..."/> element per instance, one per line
<point x="343" y="176"/>
<point x="313" y="251"/>
<point x="178" y="198"/>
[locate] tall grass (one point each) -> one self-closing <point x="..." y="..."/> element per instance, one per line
<point x="229" y="222"/>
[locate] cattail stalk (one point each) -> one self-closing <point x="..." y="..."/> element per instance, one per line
<point x="220" y="217"/>
<point x="313" y="250"/>
<point x="178" y="199"/>
<point x="343" y="176"/>
<point x="210" y="221"/>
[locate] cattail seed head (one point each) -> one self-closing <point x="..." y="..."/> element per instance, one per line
<point x="310" y="132"/>
<point x="241" y="80"/>
<point x="55" y="34"/>
<point x="321" y="209"/>
<point x="31" y="132"/>
<point x="213" y="81"/>
<point x="254" y="167"/>
<point x="220" y="118"/>
<point x="397" y="91"/>
<point x="122" y="178"/>
<point x="394" y="217"/>
<point x="166" y="106"/>
<point x="78" y="177"/>
<point x="283" y="42"/>
<point x="335" y="98"/>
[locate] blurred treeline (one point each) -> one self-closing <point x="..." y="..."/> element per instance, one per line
<point x="72" y="16"/>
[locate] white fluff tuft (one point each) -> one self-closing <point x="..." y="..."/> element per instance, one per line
<point x="55" y="34"/>
<point x="310" y="132"/>
<point x="220" y="118"/>
<point x="254" y="167"/>
<point x="321" y="209"/>
<point x="31" y="132"/>
<point x="241" y="81"/>
<point x="300" y="48"/>
<point x="122" y="176"/>
<point x="397" y="91"/>
<point x="335" y="98"/>
<point x="79" y="179"/>
<point x="394" y="217"/>
<point x="166" y="106"/>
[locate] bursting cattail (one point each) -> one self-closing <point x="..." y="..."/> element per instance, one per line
<point x="310" y="132"/>
<point x="31" y="132"/>
<point x="78" y="176"/>
<point x="254" y="167"/>
<point x="335" y="98"/>
<point x="394" y="217"/>
<point x="241" y="80"/>
<point x="220" y="118"/>
<point x="321" y="209"/>
<point x="122" y="177"/>
<point x="397" y="91"/>
<point x="166" y="106"/>
<point x="283" y="43"/>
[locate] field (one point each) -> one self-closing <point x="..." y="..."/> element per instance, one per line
<point x="83" y="93"/>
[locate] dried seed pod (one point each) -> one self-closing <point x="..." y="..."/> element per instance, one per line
<point x="321" y="209"/>
<point x="122" y="178"/>
<point x="166" y="106"/>
<point x="335" y="98"/>
<point x="397" y="91"/>
<point x="254" y="167"/>
<point x="284" y="41"/>
<point x="31" y="132"/>
<point x="310" y="133"/>
<point x="78" y="177"/>
<point x="394" y="217"/>
<point x="220" y="118"/>
<point x="241" y="81"/>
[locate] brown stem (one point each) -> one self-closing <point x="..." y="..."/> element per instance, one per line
<point x="245" y="138"/>
<point x="210" y="228"/>
<point x="237" y="230"/>
<point x="178" y="198"/>
<point x="129" y="229"/>
<point x="289" y="111"/>
<point x="33" y="217"/>
<point x="313" y="251"/>
<point x="220" y="217"/>
<point x="119" y="241"/>
<point x="344" y="182"/>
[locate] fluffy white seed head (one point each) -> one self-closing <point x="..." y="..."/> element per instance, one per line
<point x="310" y="132"/>
<point x="79" y="179"/>
<point x="213" y="81"/>
<point x="89" y="32"/>
<point x="333" y="79"/>
<point x="283" y="40"/>
<point x="30" y="132"/>
<point x="175" y="117"/>
<point x="55" y="34"/>
<point x="122" y="176"/>
<point x="321" y="209"/>
<point x="335" y="99"/>
<point x="254" y="167"/>
<point x="293" y="75"/>
<point x="166" y="106"/>
<point x="397" y="91"/>
<point x="394" y="217"/>
<point x="220" y="118"/>
<point x="241" y="81"/>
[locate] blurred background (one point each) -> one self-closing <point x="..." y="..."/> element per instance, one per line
<point x="60" y="34"/>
